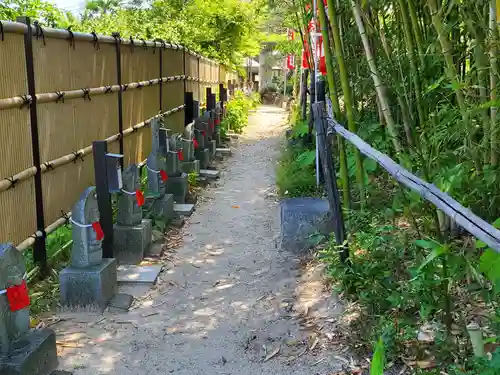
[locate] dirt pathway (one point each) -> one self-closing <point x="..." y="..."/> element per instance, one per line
<point x="226" y="300"/>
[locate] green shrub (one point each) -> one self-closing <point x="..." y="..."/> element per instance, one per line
<point x="237" y="112"/>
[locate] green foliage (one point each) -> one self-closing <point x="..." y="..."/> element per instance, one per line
<point x="378" y="360"/>
<point x="225" y="30"/>
<point x="193" y="179"/>
<point x="237" y="112"/>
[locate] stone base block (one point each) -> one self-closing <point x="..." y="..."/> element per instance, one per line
<point x="130" y="243"/>
<point x="89" y="287"/>
<point x="212" y="146"/>
<point x="164" y="207"/>
<point x="210" y="174"/>
<point x="178" y="187"/>
<point x="224" y="151"/>
<point x="33" y="354"/>
<point x="217" y="137"/>
<point x="184" y="209"/>
<point x="190" y="166"/>
<point x="300" y="218"/>
<point x="204" y="157"/>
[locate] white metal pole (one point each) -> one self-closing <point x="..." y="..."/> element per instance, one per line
<point x="314" y="39"/>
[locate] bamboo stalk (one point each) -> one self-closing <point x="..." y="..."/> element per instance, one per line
<point x="493" y="82"/>
<point x="379" y="87"/>
<point x="344" y="175"/>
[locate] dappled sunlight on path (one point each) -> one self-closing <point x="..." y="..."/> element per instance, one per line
<point x="224" y="301"/>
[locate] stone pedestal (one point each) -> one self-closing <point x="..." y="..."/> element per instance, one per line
<point x="89" y="287"/>
<point x="190" y="166"/>
<point x="32" y="354"/>
<point x="130" y="243"/>
<point x="204" y="157"/>
<point x="212" y="147"/>
<point x="178" y="187"/>
<point x="164" y="207"/>
<point x="172" y="164"/>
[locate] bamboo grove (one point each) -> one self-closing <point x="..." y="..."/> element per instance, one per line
<point x="419" y="81"/>
<point x="428" y="71"/>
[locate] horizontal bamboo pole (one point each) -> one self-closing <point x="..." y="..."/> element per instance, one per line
<point x="19" y="101"/>
<point x="8" y="183"/>
<point x="30" y="241"/>
<point x="473" y="224"/>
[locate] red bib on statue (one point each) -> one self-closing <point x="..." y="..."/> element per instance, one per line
<point x="163" y="175"/>
<point x="99" y="233"/>
<point x="180" y="154"/>
<point x="139" y="196"/>
<point x="195" y="144"/>
<point x="17" y="296"/>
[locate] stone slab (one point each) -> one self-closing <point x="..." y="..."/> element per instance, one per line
<point x="178" y="187"/>
<point x="164" y="207"/>
<point x="223" y="151"/>
<point x="155" y="250"/>
<point x="210" y="174"/>
<point x="204" y="157"/>
<point x="89" y="287"/>
<point x="138" y="274"/>
<point x="130" y="243"/>
<point x="33" y="354"/>
<point x="301" y="218"/>
<point x="121" y="302"/>
<point x="61" y="372"/>
<point x="178" y="222"/>
<point x="190" y="166"/>
<point x="184" y="209"/>
<point x="201" y="181"/>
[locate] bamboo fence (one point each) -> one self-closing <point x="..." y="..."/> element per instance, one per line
<point x="61" y="90"/>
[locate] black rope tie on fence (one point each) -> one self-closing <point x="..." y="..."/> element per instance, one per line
<point x="48" y="165"/>
<point x="71" y="37"/>
<point x="97" y="45"/>
<point x="39" y="32"/>
<point x="144" y="44"/>
<point x="108" y="89"/>
<point x="117" y="38"/>
<point x="151" y="82"/>
<point x="60" y="96"/>
<point x="163" y="44"/>
<point x="13" y="181"/>
<point x="124" y="87"/>
<point x="132" y="44"/>
<point x="27" y="100"/>
<point x="65" y="216"/>
<point x="2" y="35"/>
<point x="139" y="85"/>
<point x="77" y="156"/>
<point x="86" y="94"/>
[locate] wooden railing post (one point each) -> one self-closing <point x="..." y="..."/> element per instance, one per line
<point x="39" y="249"/>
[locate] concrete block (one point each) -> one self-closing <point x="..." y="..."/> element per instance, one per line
<point x="204" y="157"/>
<point x="33" y="354"/>
<point x="121" y="302"/>
<point x="138" y="274"/>
<point x="178" y="187"/>
<point x="190" y="166"/>
<point x="184" y="209"/>
<point x="164" y="207"/>
<point x="301" y="218"/>
<point x="210" y="174"/>
<point x="91" y="286"/>
<point x="223" y="151"/>
<point x="212" y="147"/>
<point x="130" y="243"/>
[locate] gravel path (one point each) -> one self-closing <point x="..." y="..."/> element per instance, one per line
<point x="228" y="297"/>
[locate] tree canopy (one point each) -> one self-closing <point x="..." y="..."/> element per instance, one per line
<point x="225" y="30"/>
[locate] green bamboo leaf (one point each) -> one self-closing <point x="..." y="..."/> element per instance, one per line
<point x="428" y="244"/>
<point x="435" y="253"/>
<point x="377" y="364"/>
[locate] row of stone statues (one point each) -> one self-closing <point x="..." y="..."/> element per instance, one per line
<point x="90" y="279"/>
